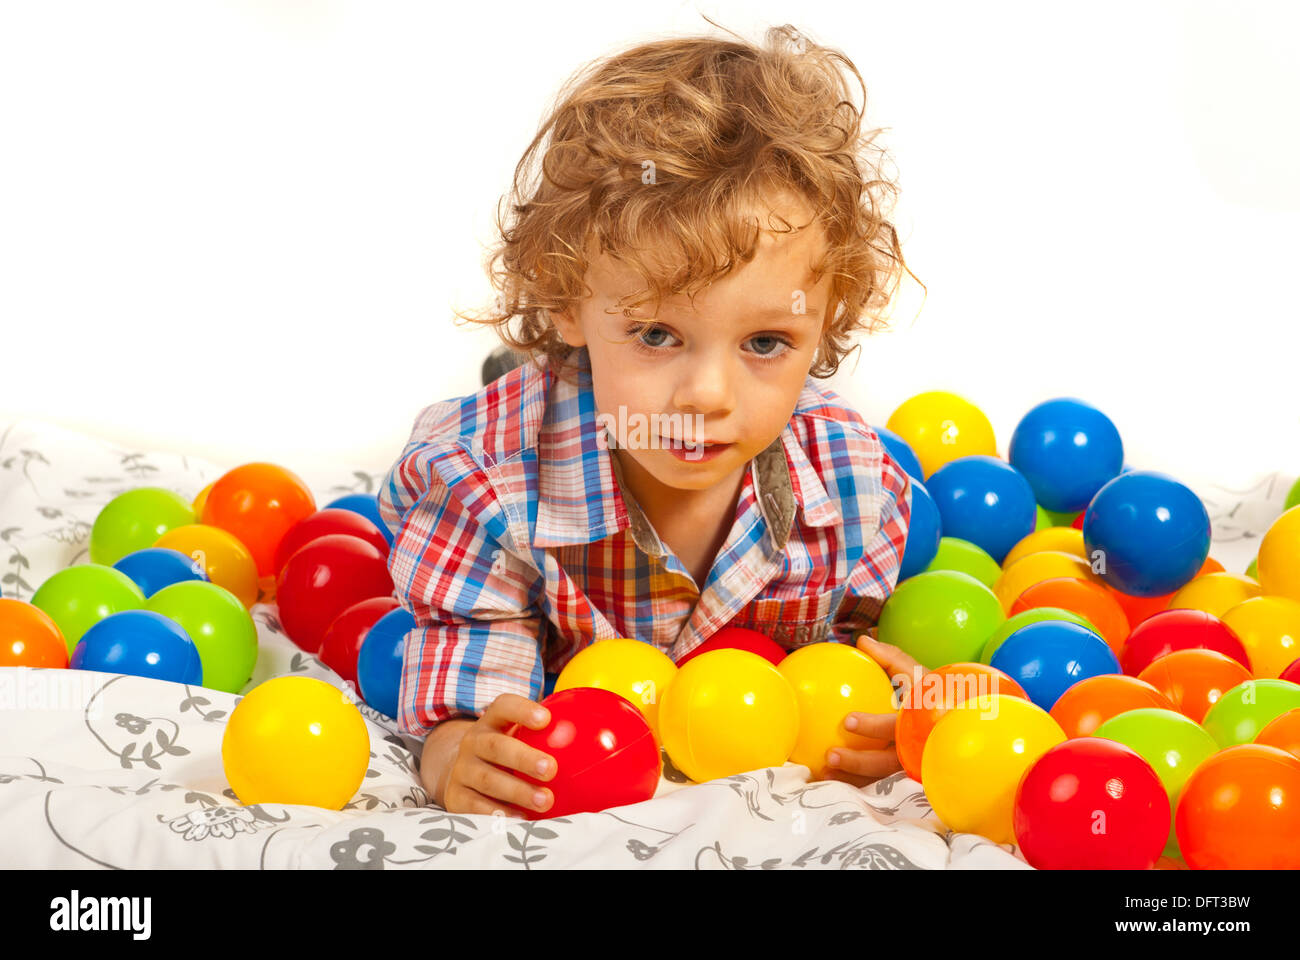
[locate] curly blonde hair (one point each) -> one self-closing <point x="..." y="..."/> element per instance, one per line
<point x="657" y="155"/>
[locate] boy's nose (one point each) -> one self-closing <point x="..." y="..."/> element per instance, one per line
<point x="705" y="388"/>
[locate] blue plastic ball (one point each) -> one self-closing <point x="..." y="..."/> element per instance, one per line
<point x="1067" y="450"/>
<point x="157" y="567"/>
<point x="900" y="451"/>
<point x="1048" y="657"/>
<point x="140" y="643"/>
<point x="986" y="501"/>
<point x="1147" y="533"/>
<point x="379" y="664"/>
<point x="924" y="530"/>
<point x="366" y="504"/>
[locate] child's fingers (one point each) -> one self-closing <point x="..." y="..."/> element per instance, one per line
<point x="463" y="799"/>
<point x="505" y="751"/>
<point x="496" y="784"/>
<point x="865" y="763"/>
<point x="877" y="726"/>
<point x="510" y="708"/>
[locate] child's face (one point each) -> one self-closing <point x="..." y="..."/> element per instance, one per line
<point x="730" y="370"/>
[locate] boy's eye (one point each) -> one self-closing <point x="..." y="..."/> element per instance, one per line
<point x="654" y="336"/>
<point x="766" y="346"/>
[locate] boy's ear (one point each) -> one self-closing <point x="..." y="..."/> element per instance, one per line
<point x="568" y="326"/>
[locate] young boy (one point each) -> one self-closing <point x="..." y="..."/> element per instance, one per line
<point x="703" y="239"/>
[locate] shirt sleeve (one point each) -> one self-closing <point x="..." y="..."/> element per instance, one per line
<point x="478" y="625"/>
<point x="873" y="579"/>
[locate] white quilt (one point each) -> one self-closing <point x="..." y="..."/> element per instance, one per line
<point x="101" y="770"/>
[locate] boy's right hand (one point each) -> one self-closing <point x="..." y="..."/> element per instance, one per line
<point x="476" y="782"/>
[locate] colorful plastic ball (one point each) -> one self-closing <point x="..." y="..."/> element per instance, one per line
<point x="1033" y="568"/>
<point x="219" y="626"/>
<point x="1042" y="520"/>
<point x="324" y="578"/>
<point x="900" y="452"/>
<point x="1073" y="521"/>
<point x="605" y="755"/>
<point x="259" y="503"/>
<point x="134" y="520"/>
<point x="1089" y="600"/>
<point x="346" y="633"/>
<point x="1278" y="563"/>
<point x="727" y="712"/>
<point x="831" y="680"/>
<point x="1049" y="657"/>
<point x="984" y="500"/>
<point x="1252" y="571"/>
<point x="1246" y="709"/>
<point x="738" y="638"/>
<point x="1091" y="702"/>
<point x="1091" y="804"/>
<point x="323" y="522"/>
<point x="1292" y="497"/>
<point x="156" y="567"/>
<point x="76" y="598"/>
<point x="220" y="555"/>
<point x="139" y="643"/>
<point x="1153" y="533"/>
<point x="940" y="427"/>
<point x="1240" y="810"/>
<point x="1059" y="539"/>
<point x="1194" y="680"/>
<point x="633" y="669"/>
<point x="28" y="637"/>
<point x="975" y="757"/>
<point x="380" y="660"/>
<point x="1282" y="732"/>
<point x="924" y="533"/>
<point x="1067" y="450"/>
<point x="1138" y="609"/>
<point x="296" y="740"/>
<point x="1024" y="618"/>
<point x="1292" y="672"/>
<point x="1173" y="744"/>
<point x="1269" y="629"/>
<point x="933" y="696"/>
<point x="940" y="617"/>
<point x="964" y="557"/>
<point x="1172" y="630"/>
<point x="1214" y="593"/>
<point x="366" y="504"/>
<point x="200" y="500"/>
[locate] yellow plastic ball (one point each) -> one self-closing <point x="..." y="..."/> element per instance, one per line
<point x="634" y="670"/>
<point x="975" y="756"/>
<point x="830" y="681"/>
<point x="726" y="712"/>
<point x="1278" y="562"/>
<point x="1036" y="567"/>
<point x="940" y="427"/>
<point x="296" y="740"/>
<point x="201" y="500"/>
<point x="1269" y="629"/>
<point x="1057" y="539"/>
<point x="1215" y="593"/>
<point x="220" y="555"/>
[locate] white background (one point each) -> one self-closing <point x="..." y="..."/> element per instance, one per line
<point x="238" y="229"/>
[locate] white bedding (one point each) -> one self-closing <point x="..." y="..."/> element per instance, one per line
<point x="113" y="771"/>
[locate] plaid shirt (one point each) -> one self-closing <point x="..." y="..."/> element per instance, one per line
<point x="516" y="544"/>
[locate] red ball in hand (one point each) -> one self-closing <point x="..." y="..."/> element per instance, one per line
<point x="1091" y="804"/>
<point x="605" y="755"/>
<point x="322" y="523"/>
<point x="739" y="638"/>
<point x="324" y="578"/>
<point x="341" y="644"/>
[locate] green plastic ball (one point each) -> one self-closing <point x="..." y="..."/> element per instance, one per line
<point x="134" y="520"/>
<point x="1246" y="709"/>
<point x="965" y="557"/>
<point x="940" y="617"/>
<point x="218" y="624"/>
<point x="1172" y="743"/>
<point x="79" y="597"/>
<point x="1252" y="571"/>
<point x="1292" y="497"/>
<point x="1023" y="619"/>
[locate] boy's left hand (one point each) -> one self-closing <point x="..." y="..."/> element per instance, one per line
<point x="861" y="767"/>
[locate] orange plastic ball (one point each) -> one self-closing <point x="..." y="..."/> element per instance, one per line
<point x="938" y="692"/>
<point x="1282" y="732"/>
<point x="1092" y="601"/>
<point x="1138" y="609"/>
<point x="259" y="503"/>
<point x="28" y="637"/>
<point x="1240" y="810"/>
<point x="1091" y="702"/>
<point x="1194" y="680"/>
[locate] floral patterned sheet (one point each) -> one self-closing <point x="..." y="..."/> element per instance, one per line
<point x="101" y="770"/>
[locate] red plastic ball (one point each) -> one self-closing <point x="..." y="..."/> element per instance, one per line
<point x="324" y="578"/>
<point x="1171" y="630"/>
<point x="739" y="638"/>
<point x="1292" y="672"/>
<point x="322" y="523"/>
<point x="1091" y="804"/>
<point x="341" y="644"/>
<point x="605" y="755"/>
